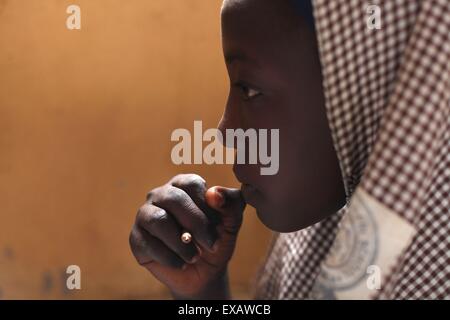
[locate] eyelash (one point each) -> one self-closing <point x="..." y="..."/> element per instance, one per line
<point x="248" y="92"/>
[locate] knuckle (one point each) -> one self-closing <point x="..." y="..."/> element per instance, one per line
<point x="142" y="212"/>
<point x="157" y="218"/>
<point x="196" y="183"/>
<point x="195" y="179"/>
<point x="136" y="241"/>
<point x="138" y="247"/>
<point x="154" y="219"/>
<point x="173" y="194"/>
<point x="153" y="193"/>
<point x="178" y="177"/>
<point x="131" y="238"/>
<point x="189" y="179"/>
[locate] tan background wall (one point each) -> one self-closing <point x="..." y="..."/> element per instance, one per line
<point x="85" y="124"/>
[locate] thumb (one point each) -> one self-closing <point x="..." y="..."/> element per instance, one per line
<point x="230" y="203"/>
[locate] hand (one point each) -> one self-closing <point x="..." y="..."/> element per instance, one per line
<point x="213" y="217"/>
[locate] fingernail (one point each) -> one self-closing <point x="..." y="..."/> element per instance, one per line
<point x="215" y="247"/>
<point x="184" y="267"/>
<point x="220" y="200"/>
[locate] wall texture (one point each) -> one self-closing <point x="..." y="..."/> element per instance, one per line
<point x="85" y="123"/>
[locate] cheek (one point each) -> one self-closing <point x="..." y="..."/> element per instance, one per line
<point x="290" y="178"/>
<point x="287" y="195"/>
<point x="280" y="190"/>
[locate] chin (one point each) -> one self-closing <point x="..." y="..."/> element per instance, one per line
<point x="277" y="220"/>
<point x="278" y="223"/>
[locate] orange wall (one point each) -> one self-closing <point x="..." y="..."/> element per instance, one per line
<point x="85" y="124"/>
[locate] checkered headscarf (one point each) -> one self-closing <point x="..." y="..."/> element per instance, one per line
<point x="388" y="103"/>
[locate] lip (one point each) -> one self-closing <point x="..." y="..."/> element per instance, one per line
<point x="250" y="194"/>
<point x="241" y="175"/>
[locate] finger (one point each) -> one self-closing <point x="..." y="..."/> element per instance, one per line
<point x="186" y="212"/>
<point x="147" y="249"/>
<point x="230" y="203"/>
<point x="160" y="224"/>
<point x="195" y="186"/>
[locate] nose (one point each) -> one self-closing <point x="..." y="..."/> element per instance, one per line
<point x="231" y="119"/>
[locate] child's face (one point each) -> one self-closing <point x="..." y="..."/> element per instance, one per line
<point x="276" y="83"/>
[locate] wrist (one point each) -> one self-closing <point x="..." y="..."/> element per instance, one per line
<point x="217" y="289"/>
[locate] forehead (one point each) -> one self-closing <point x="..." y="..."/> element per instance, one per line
<point x="276" y="13"/>
<point x="265" y="4"/>
<point x="259" y="29"/>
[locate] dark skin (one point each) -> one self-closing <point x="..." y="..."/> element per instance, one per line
<point x="275" y="83"/>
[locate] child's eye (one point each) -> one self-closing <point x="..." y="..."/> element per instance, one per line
<point x="248" y="92"/>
